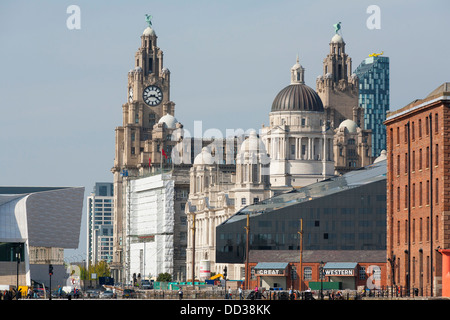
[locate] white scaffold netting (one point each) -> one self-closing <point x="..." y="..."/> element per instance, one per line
<point x="151" y="226"/>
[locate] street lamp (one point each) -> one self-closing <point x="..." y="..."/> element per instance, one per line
<point x="321" y="273"/>
<point x="193" y="247"/>
<point x="247" y="272"/>
<point x="50" y="273"/>
<point x="301" y="256"/>
<point x="18" y="263"/>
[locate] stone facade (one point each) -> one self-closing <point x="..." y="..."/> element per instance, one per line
<point x="352" y="147"/>
<point x="338" y="87"/>
<point x="145" y="141"/>
<point x="217" y="193"/>
<point x="297" y="139"/>
<point x="339" y="92"/>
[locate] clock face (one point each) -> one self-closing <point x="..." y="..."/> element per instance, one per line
<point x="130" y="94"/>
<point x="152" y="95"/>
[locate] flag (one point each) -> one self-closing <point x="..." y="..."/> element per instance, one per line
<point x="149" y="161"/>
<point x="164" y="153"/>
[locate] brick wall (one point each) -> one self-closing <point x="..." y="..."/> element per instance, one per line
<point x="417" y="193"/>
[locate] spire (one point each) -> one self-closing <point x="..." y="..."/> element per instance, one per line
<point x="297" y="73"/>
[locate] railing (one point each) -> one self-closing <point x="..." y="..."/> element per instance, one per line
<point x="219" y="293"/>
<point x="247" y="295"/>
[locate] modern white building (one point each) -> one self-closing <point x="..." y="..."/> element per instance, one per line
<point x="36" y="225"/>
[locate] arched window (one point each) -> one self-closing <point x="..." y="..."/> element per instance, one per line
<point x="307" y="273"/>
<point x="197" y="185"/>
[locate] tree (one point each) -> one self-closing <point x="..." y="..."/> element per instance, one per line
<point x="101" y="269"/>
<point x="164" y="277"/>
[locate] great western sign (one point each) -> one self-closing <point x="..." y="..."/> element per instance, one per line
<point x="339" y="272"/>
<point x="270" y="272"/>
<point x="270" y="268"/>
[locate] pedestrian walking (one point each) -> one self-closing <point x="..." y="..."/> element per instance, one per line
<point x="241" y="295"/>
<point x="180" y="294"/>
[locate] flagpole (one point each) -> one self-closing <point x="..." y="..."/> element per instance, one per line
<point x="149" y="165"/>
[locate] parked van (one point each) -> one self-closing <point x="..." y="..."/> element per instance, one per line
<point x="146" y="284"/>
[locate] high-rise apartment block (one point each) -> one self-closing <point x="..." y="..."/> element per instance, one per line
<point x="373" y="74"/>
<point x="100" y="223"/>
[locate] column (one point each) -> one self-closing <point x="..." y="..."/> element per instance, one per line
<point x="309" y="149"/>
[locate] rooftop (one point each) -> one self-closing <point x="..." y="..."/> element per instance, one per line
<point x="311" y="256"/>
<point x="369" y="174"/>
<point x="26" y="190"/>
<point x="440" y="93"/>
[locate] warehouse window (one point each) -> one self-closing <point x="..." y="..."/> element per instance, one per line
<point x="307" y="273"/>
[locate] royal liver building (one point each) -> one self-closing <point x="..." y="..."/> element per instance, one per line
<point x="143" y="142"/>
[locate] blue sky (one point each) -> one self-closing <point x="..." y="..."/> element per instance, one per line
<point x="61" y="90"/>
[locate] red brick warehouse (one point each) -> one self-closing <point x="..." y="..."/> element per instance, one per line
<point x="418" y="198"/>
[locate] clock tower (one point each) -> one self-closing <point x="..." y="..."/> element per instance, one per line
<point x="144" y="141"/>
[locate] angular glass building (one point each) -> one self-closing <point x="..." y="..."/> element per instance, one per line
<point x="36" y="225"/>
<point x="347" y="212"/>
<point x="373" y="74"/>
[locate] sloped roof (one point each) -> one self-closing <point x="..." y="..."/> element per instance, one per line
<point x="442" y="89"/>
<point x="369" y="174"/>
<point x="440" y="93"/>
<point x="313" y="256"/>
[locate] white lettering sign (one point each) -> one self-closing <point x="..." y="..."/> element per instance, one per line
<point x="339" y="272"/>
<point x="270" y="272"/>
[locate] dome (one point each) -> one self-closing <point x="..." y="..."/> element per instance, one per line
<point x="253" y="144"/>
<point x="381" y="157"/>
<point x="297" y="65"/>
<point x="169" y="120"/>
<point x="297" y="97"/>
<point x="337" y="39"/>
<point x="252" y="151"/>
<point x="148" y="32"/>
<point x="204" y="157"/>
<point x="350" y="125"/>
